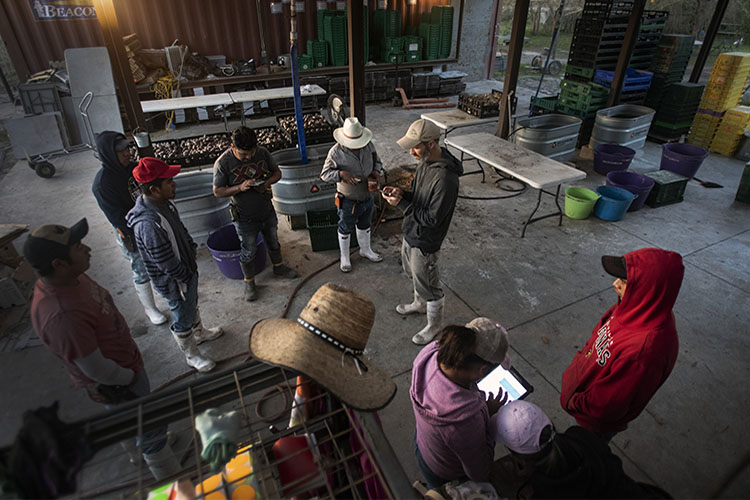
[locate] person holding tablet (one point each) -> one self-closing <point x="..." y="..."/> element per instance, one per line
<point x="452" y="415"/>
<point x="632" y="349"/>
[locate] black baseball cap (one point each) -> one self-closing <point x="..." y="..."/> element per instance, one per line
<point x="52" y="241"/>
<point x="123" y="143"/>
<point x="615" y="266"/>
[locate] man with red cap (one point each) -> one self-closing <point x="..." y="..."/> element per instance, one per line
<point x="169" y="254"/>
<point x="632" y="349"/>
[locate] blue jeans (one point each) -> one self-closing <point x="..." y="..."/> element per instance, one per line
<point x="353" y="213"/>
<point x="248" y="234"/>
<point x="184" y="311"/>
<point x="433" y="480"/>
<point x="140" y="275"/>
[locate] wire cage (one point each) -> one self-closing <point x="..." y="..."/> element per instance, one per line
<point x="333" y="451"/>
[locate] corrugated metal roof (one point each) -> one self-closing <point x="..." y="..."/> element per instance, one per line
<point x="215" y="27"/>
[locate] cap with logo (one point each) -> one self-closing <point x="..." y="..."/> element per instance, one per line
<point x="492" y="341"/>
<point x="419" y="131"/>
<point x="149" y="169"/>
<point x="52" y="241"/>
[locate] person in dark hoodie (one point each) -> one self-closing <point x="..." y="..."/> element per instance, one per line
<point x="115" y="191"/>
<point x="428" y="210"/>
<point x="632" y="349"/>
<point x="169" y="254"/>
<point x="546" y="464"/>
<point x="453" y="439"/>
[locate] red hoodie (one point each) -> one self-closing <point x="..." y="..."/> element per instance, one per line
<point x="632" y="349"/>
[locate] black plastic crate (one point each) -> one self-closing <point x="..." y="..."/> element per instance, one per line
<point x="323" y="228"/>
<point x="669" y="188"/>
<point x="322" y="134"/>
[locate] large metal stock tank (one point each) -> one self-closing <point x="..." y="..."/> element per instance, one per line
<point x="552" y="135"/>
<point x="200" y="210"/>
<point x="300" y="188"/>
<point x="626" y="125"/>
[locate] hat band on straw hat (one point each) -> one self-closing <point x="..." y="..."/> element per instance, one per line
<point x="345" y="349"/>
<point x="352" y="137"/>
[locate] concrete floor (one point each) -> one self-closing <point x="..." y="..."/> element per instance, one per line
<point x="548" y="289"/>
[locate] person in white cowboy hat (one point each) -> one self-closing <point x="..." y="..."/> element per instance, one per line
<point x="354" y="165"/>
<point x="326" y="343"/>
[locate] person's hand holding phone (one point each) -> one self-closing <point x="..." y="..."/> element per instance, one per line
<point x="495" y="402"/>
<point x="347" y="177"/>
<point x="392" y="195"/>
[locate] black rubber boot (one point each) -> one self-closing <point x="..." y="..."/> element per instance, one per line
<point x="279" y="269"/>
<point x="248" y="271"/>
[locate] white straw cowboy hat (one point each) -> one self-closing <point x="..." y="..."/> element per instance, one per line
<point x="326" y="343"/>
<point x="353" y="135"/>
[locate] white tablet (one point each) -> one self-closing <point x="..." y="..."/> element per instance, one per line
<point x="510" y="380"/>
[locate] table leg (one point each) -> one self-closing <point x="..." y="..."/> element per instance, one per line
<point x="558" y="213"/>
<point x="557" y="202"/>
<point x="529" y="220"/>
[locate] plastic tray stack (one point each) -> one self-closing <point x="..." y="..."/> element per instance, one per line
<point x="669" y="64"/>
<point x="318" y="49"/>
<point x="430" y="33"/>
<point x="321" y="15"/>
<point x="393" y="49"/>
<point x="675" y="113"/>
<point x="634" y="88"/>
<point x="731" y="130"/>
<point x="334" y="28"/>
<point x="385" y="24"/>
<point x="544" y="105"/>
<point x="582" y="100"/>
<point x="451" y="82"/>
<point x="306" y="62"/>
<point x="425" y="84"/>
<point x="413" y="48"/>
<point x="443" y="17"/>
<point x="729" y="77"/>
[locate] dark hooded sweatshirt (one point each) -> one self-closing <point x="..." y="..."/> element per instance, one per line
<point x="428" y="208"/>
<point x="111" y="184"/>
<point x="632" y="350"/>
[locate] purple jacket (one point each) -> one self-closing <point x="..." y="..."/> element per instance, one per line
<point x="452" y="421"/>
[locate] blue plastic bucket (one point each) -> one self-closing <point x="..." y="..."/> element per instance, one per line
<point x="637" y="184"/>
<point x="224" y="245"/>
<point x="612" y="157"/>
<point x="613" y="204"/>
<point x="683" y="159"/>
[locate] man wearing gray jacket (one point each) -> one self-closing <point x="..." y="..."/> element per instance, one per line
<point x="428" y="210"/>
<point x="169" y="254"/>
<point x="354" y="166"/>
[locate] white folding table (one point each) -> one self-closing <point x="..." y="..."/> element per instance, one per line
<point x="189" y="102"/>
<point x="533" y="169"/>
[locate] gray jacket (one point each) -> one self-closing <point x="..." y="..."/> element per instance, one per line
<point x="341" y="158"/>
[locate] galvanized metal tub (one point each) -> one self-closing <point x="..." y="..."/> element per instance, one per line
<point x="552" y="135"/>
<point x="201" y="212"/>
<point x="300" y="188"/>
<point x="625" y="124"/>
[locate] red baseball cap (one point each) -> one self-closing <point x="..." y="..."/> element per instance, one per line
<point x="149" y="169"/>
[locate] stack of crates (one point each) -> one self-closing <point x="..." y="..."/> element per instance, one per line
<point x="305" y="62"/>
<point x="392" y="49"/>
<point x="582" y="100"/>
<point x="731" y="130"/>
<point x="676" y="111"/>
<point x="385" y="24"/>
<point x="334" y="30"/>
<point x="442" y="16"/>
<point x="652" y="25"/>
<point x="634" y="88"/>
<point x="321" y="15"/>
<point x="318" y="49"/>
<point x="413" y="48"/>
<point x="729" y="78"/>
<point x="669" y="65"/>
<point x="430" y="33"/>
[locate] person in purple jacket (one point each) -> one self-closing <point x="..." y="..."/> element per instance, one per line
<point x="452" y="439"/>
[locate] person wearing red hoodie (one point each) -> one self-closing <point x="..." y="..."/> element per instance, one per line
<point x="632" y="349"/>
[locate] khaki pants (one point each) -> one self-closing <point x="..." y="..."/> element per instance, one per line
<point x="423" y="270"/>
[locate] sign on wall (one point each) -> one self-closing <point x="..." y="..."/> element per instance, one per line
<point x="61" y="10"/>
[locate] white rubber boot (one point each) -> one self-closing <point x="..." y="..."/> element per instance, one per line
<point x="163" y="463"/>
<point x="146" y="296"/>
<point x="344" y="243"/>
<point x="434" y="322"/>
<point x="365" y="250"/>
<point x="202" y="334"/>
<point x="419" y="306"/>
<point x="186" y="343"/>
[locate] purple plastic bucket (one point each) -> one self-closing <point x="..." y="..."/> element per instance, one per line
<point x="611" y="158"/>
<point x="638" y="184"/>
<point x="224" y="245"/>
<point x="683" y="159"/>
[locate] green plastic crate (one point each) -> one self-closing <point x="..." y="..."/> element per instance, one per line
<point x="669" y="188"/>
<point x="323" y="228"/>
<point x="306" y="62"/>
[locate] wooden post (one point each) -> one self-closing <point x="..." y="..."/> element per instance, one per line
<point x="497" y="9"/>
<point x="356" y="42"/>
<point x="123" y="76"/>
<point x="518" y="31"/>
<point x="713" y="28"/>
<point x="628" y="44"/>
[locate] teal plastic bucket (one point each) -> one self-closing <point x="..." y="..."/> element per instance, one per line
<point x="614" y="202"/>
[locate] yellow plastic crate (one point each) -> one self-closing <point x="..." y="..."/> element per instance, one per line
<point x="733" y="59"/>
